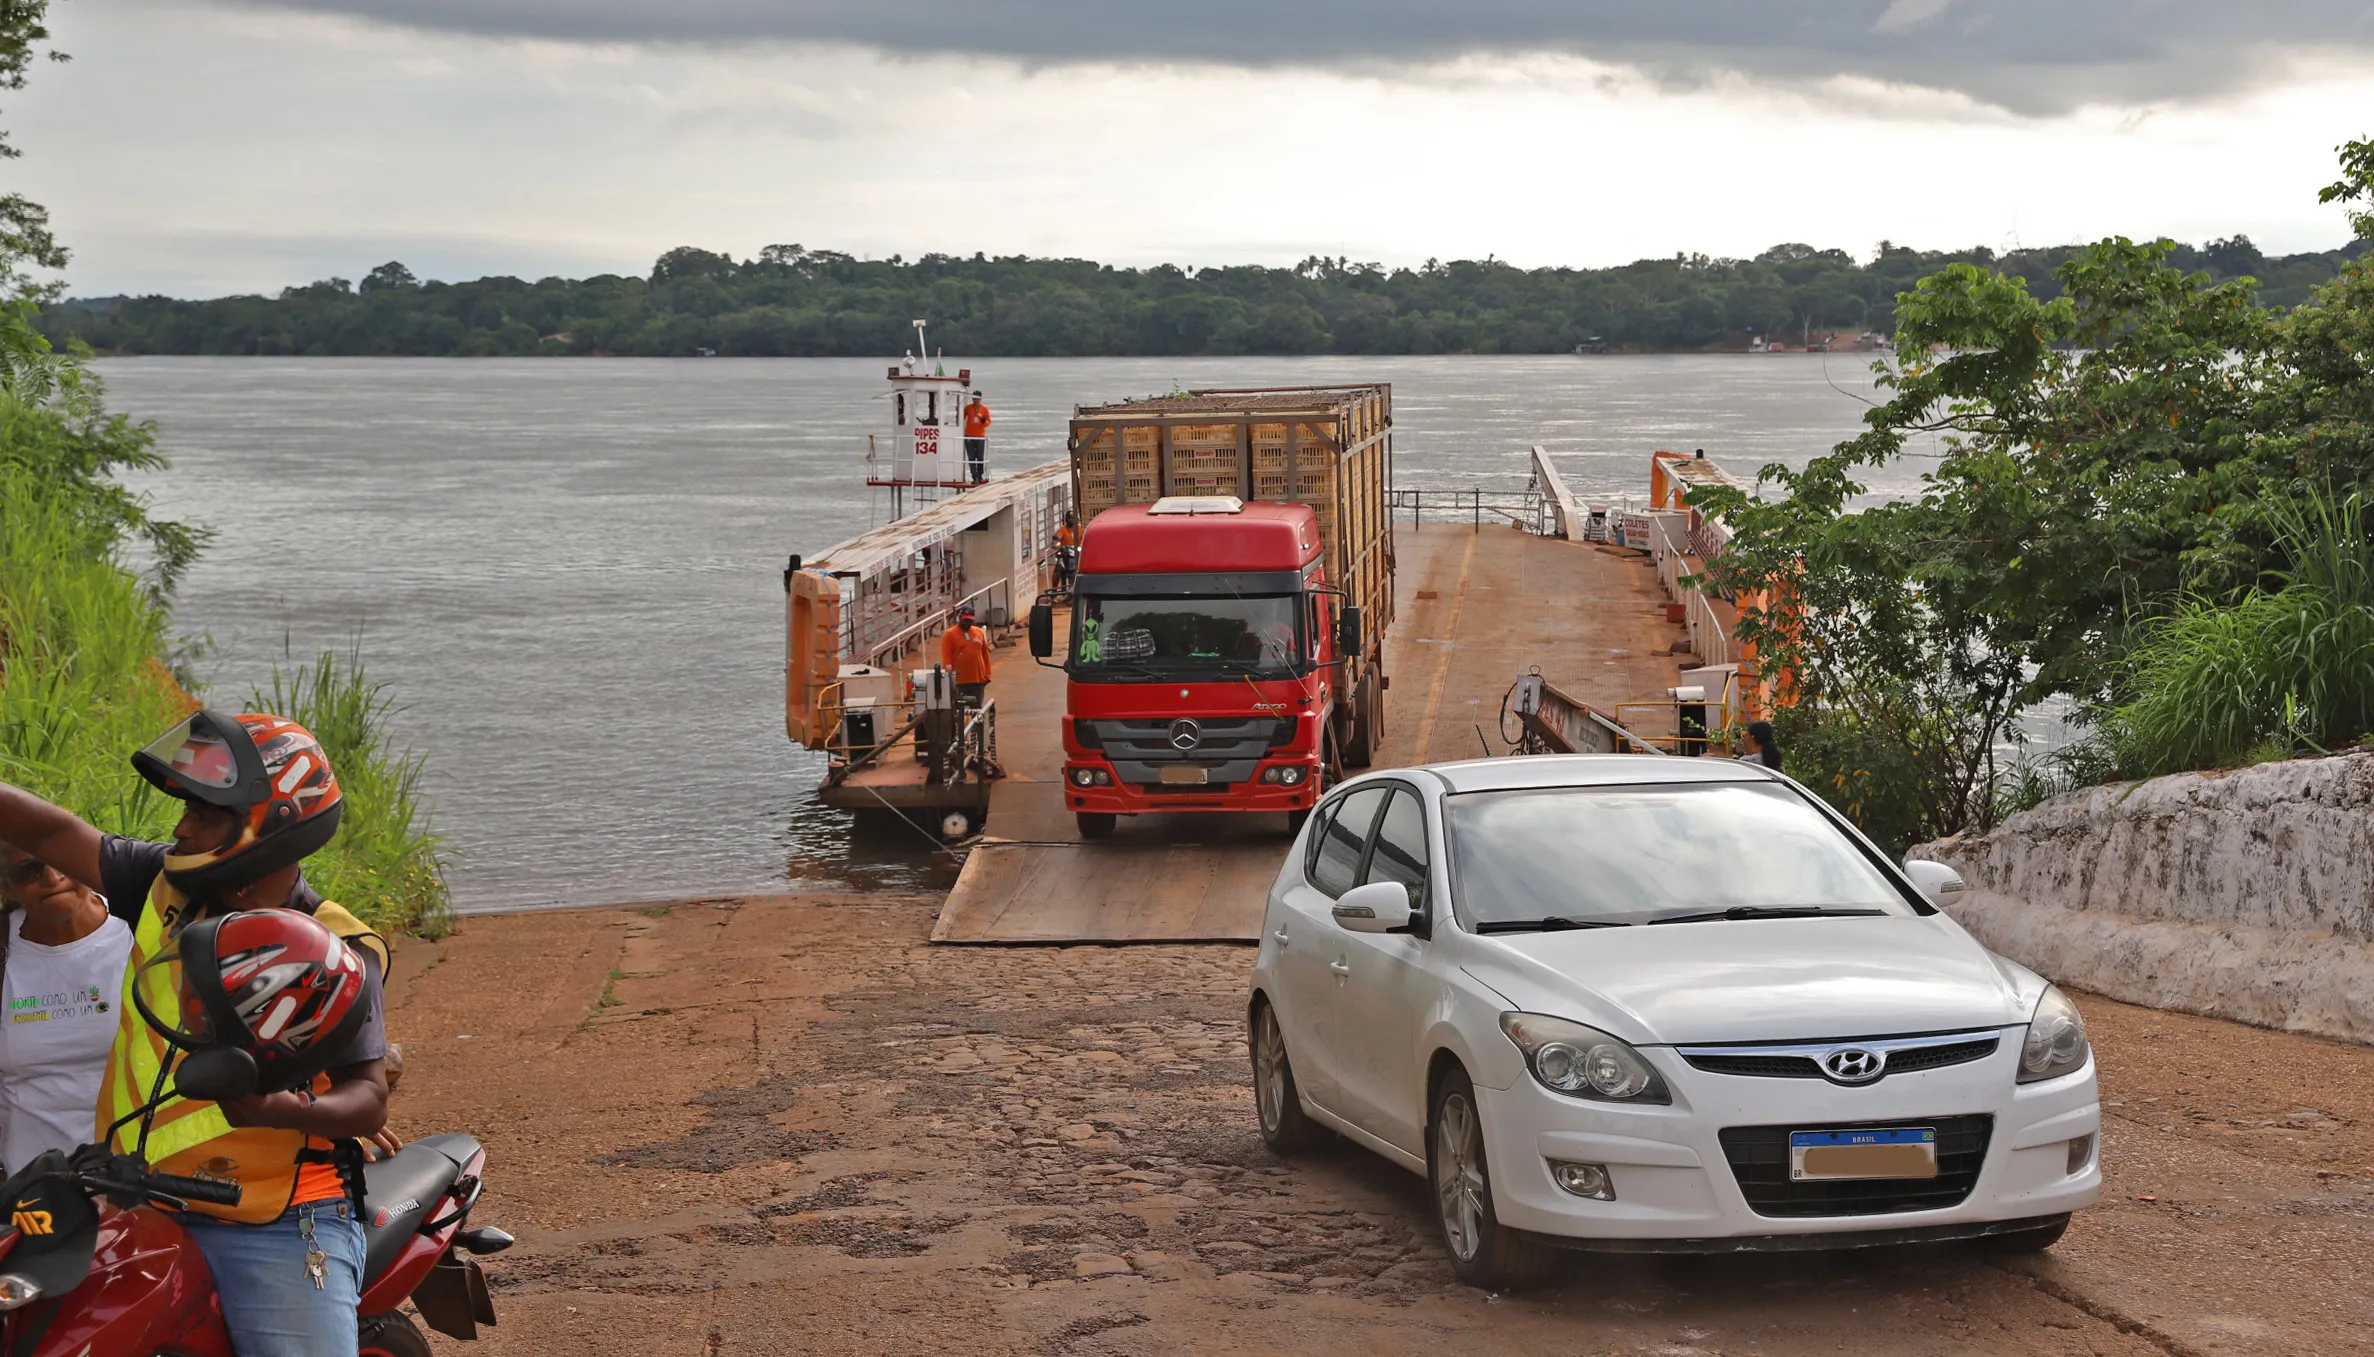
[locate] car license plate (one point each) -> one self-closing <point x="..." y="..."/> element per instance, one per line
<point x="1904" y="1152"/>
<point x="1186" y="772"/>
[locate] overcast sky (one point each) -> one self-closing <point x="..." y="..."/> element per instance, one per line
<point x="199" y="147"/>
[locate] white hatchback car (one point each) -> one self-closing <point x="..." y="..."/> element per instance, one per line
<point x="1649" y="1003"/>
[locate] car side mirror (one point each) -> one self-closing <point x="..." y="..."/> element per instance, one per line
<point x="1378" y="907"/>
<point x="1042" y="630"/>
<point x="1939" y="884"/>
<point x="1347" y="632"/>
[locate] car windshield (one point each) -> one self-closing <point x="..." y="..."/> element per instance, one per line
<point x="1638" y="854"/>
<point x="1118" y="639"/>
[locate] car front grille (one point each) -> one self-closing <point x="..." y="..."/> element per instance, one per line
<point x="1902" y="1059"/>
<point x="1759" y="1157"/>
<point x="1758" y="1066"/>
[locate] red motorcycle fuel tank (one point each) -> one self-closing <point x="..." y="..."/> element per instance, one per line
<point x="148" y="1291"/>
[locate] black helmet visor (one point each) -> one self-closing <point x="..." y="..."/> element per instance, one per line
<point x="208" y="757"/>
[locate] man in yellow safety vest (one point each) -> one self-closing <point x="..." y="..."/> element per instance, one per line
<point x="258" y="796"/>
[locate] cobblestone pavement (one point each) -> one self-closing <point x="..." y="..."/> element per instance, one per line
<point x="773" y="1124"/>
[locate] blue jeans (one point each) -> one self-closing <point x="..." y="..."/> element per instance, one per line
<point x="269" y="1301"/>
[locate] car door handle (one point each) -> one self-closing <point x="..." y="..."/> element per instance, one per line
<point x="1283" y="940"/>
<point x="1340" y="967"/>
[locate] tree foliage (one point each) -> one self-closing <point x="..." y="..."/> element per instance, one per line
<point x="793" y="301"/>
<point x="26" y="241"/>
<point x="2105" y="458"/>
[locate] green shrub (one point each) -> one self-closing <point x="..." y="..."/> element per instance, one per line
<point x="2268" y="674"/>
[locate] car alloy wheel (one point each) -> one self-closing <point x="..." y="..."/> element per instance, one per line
<point x="1459" y="1185"/>
<point x="1483" y="1251"/>
<point x="1284" y="1127"/>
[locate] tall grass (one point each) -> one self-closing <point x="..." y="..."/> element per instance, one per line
<point x="2271" y="674"/>
<point x="81" y="679"/>
<point x="386" y="863"/>
<point x="85" y="679"/>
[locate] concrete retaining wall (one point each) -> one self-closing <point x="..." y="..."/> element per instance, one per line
<point x="2246" y="894"/>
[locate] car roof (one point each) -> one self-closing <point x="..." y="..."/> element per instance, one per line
<point x="1589" y="770"/>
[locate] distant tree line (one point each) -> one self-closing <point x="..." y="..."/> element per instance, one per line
<point x="791" y="301"/>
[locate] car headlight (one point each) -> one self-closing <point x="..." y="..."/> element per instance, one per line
<point x="1583" y="1062"/>
<point x="2056" y="1043"/>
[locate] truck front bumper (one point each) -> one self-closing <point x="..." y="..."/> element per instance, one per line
<point x="1106" y="794"/>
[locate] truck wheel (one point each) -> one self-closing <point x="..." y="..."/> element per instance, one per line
<point x="1096" y="824"/>
<point x="1361" y="749"/>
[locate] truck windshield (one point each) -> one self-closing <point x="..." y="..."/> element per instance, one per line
<point x="1154" y="639"/>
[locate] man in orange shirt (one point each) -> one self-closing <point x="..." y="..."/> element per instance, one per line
<point x="976" y="439"/>
<point x="964" y="649"/>
<point x="1067" y="552"/>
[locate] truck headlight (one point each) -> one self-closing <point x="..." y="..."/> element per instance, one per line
<point x="1091" y="777"/>
<point x="2056" y="1043"/>
<point x="1290" y="775"/>
<point x="1583" y="1062"/>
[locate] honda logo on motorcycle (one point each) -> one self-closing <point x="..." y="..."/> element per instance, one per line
<point x="1854" y="1065"/>
<point x="1185" y="734"/>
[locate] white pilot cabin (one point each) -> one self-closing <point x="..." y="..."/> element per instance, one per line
<point x="926" y="452"/>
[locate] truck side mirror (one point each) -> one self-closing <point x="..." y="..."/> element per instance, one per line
<point x="1042" y="630"/>
<point x="1347" y="632"/>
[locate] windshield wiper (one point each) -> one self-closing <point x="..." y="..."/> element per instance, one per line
<point x="1553" y="924"/>
<point x="1765" y="912"/>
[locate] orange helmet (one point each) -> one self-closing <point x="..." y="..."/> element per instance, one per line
<point x="268" y="771"/>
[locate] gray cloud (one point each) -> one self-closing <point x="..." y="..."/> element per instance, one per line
<point x="2033" y="56"/>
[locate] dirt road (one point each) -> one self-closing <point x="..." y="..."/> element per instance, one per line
<point x="782" y="1125"/>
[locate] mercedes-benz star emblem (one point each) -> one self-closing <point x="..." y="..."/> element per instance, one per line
<point x="1854" y="1065"/>
<point x="1185" y="734"/>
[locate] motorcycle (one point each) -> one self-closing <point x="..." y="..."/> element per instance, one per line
<point x="1067" y="570"/>
<point x="77" y="1281"/>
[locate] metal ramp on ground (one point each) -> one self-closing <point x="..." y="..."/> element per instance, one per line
<point x="1110" y="893"/>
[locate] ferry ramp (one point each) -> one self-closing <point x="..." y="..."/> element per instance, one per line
<point x="1475" y="608"/>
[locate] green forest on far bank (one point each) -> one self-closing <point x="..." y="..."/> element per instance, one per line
<point x="795" y="302"/>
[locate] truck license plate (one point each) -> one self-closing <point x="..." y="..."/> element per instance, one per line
<point x="1186" y="772"/>
<point x="1907" y="1152"/>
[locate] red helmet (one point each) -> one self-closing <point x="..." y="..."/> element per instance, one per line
<point x="268" y="771"/>
<point x="272" y="983"/>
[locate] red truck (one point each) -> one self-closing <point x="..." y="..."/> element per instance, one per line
<point x="1226" y="648"/>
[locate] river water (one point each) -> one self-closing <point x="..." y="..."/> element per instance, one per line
<point x="569" y="571"/>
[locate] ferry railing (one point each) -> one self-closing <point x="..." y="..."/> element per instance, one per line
<point x="1670" y="545"/>
<point x="1525" y="509"/>
<point x="906" y="640"/>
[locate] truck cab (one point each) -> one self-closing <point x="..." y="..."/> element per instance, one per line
<point x="1202" y="661"/>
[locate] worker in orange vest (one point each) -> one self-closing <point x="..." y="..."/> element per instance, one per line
<point x="976" y="439"/>
<point x="964" y="649"/>
<point x="1067" y="552"/>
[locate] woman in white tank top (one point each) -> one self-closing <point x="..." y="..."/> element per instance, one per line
<point x="61" y="976"/>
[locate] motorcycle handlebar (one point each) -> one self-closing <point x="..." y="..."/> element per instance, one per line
<point x="206" y="1190"/>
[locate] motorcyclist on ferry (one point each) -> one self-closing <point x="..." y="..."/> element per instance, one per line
<point x="1067" y="552"/>
<point x="258" y="796"/>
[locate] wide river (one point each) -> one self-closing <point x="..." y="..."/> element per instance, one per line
<point x="569" y="572"/>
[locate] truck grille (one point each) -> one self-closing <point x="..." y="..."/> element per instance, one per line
<point x="1759" y="1157"/>
<point x="1216" y="739"/>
